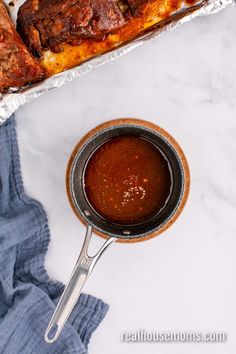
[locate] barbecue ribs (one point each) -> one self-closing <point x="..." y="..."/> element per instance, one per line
<point x="66" y="33"/>
<point x="17" y="66"/>
<point x="45" y="24"/>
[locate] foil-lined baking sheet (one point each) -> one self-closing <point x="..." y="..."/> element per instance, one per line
<point x="10" y="102"/>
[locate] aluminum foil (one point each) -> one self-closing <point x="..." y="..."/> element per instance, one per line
<point x="9" y="103"/>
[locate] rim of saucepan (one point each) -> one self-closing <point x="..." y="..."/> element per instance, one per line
<point x="146" y="126"/>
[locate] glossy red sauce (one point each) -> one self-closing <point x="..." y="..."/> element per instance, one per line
<point x="128" y="180"/>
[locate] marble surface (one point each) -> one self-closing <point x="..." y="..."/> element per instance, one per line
<point x="185" y="279"/>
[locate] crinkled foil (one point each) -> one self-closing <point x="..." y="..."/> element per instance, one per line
<point x="9" y="103"/>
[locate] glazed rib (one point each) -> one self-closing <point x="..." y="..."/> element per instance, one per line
<point x="46" y="24"/>
<point x="66" y="33"/>
<point x="17" y="66"/>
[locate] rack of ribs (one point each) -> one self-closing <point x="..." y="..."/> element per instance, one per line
<point x="61" y="34"/>
<point x="45" y="24"/>
<point x="66" y="33"/>
<point x="17" y="65"/>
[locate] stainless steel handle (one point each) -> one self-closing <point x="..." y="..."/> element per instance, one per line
<point x="70" y="295"/>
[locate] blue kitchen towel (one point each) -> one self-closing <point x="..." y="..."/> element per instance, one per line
<point x="27" y="295"/>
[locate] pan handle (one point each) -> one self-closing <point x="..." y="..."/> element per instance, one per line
<point x="72" y="291"/>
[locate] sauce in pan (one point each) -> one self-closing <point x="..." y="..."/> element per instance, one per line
<point x="128" y="180"/>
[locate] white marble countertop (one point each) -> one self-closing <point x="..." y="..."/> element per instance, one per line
<point x="185" y="279"/>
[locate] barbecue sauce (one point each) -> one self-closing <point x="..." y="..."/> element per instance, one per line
<point x="128" y="180"/>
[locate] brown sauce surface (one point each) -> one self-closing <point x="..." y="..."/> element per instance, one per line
<point x="128" y="180"/>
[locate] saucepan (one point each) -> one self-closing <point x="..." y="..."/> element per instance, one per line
<point x="112" y="231"/>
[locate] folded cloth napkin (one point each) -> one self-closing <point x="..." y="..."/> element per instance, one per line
<point x="27" y="295"/>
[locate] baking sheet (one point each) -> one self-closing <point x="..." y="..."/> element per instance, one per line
<point x="9" y="103"/>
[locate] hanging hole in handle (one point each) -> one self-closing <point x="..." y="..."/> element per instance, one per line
<point x="52" y="333"/>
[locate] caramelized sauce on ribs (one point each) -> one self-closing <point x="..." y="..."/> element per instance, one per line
<point x="45" y="24"/>
<point x="48" y="23"/>
<point x="17" y="66"/>
<point x="65" y="33"/>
